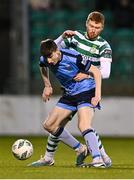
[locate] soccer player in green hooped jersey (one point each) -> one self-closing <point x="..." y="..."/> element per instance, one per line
<point x="93" y="47"/>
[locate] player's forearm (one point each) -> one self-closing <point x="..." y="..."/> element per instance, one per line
<point x="58" y="41"/>
<point x="45" y="77"/>
<point x="97" y="77"/>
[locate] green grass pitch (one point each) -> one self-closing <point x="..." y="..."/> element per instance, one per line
<point x="121" y="151"/>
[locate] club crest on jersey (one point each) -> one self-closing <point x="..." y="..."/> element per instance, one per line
<point x="93" y="49"/>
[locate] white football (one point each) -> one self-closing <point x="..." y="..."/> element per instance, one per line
<point x="22" y="149"/>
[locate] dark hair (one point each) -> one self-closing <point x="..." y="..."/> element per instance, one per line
<point x="47" y="47"/>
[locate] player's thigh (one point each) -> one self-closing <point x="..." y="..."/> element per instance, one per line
<point x="69" y="118"/>
<point x="85" y="117"/>
<point x="57" y="116"/>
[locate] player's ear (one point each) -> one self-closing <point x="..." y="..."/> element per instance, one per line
<point x="102" y="28"/>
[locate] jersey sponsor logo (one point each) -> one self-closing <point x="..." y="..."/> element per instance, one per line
<point x="93" y="59"/>
<point x="85" y="59"/>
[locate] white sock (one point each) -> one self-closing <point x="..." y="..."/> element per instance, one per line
<point x="48" y="156"/>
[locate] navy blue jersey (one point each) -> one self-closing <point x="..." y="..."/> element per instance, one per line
<point x="70" y="64"/>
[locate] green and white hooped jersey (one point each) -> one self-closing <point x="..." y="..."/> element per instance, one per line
<point x="92" y="50"/>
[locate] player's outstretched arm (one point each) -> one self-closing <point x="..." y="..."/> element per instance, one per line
<point x="60" y="40"/>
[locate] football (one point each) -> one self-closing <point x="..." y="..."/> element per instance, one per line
<point x="22" y="149"/>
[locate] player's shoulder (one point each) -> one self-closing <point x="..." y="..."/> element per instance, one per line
<point x="103" y="42"/>
<point x="42" y="61"/>
<point x="101" y="39"/>
<point x="80" y="33"/>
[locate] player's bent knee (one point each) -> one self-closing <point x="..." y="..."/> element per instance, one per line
<point x="83" y="127"/>
<point x="48" y="127"/>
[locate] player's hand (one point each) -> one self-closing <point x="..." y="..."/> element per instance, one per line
<point x="68" y="33"/>
<point x="47" y="92"/>
<point x="80" y="76"/>
<point x="95" y="101"/>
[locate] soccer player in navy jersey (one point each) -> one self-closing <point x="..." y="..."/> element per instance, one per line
<point x="82" y="96"/>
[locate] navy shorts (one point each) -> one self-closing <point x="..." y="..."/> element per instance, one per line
<point x="77" y="101"/>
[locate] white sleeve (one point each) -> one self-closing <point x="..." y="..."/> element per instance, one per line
<point x="60" y="42"/>
<point x="105" y="67"/>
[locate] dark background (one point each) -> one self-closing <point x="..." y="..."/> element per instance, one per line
<point x="24" y="23"/>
